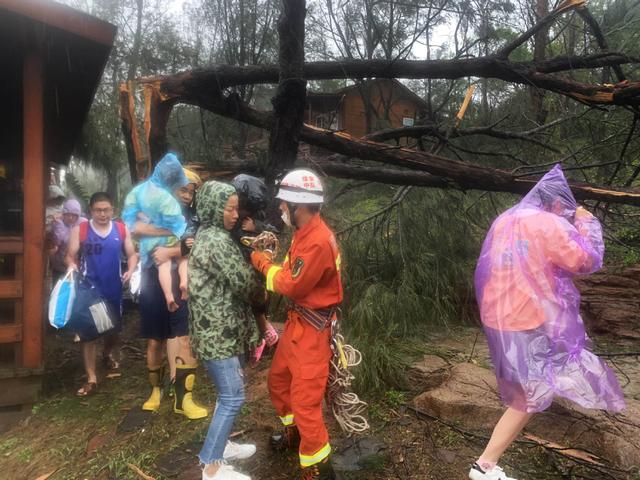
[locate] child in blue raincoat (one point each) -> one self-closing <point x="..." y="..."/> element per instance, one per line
<point x="153" y="202"/>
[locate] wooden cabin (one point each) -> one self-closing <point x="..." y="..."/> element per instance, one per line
<point x="393" y="105"/>
<point x="51" y="61"/>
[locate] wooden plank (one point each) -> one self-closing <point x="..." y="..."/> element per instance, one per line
<point x="9" y="245"/>
<point x="10" y="333"/>
<point x="10" y="289"/>
<point x="34" y="188"/>
<point x="19" y="372"/>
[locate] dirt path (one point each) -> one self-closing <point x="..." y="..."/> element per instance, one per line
<point x="86" y="438"/>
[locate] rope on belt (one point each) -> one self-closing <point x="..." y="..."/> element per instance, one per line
<point x="346" y="406"/>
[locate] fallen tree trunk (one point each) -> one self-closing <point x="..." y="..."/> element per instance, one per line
<point x="538" y="74"/>
<point x="452" y="173"/>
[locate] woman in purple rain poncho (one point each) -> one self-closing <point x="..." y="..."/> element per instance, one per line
<point x="61" y="230"/>
<point x="530" y="310"/>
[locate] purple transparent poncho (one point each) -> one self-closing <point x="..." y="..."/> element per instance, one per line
<point x="530" y="308"/>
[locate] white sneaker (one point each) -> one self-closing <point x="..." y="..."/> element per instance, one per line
<point x="238" y="451"/>
<point x="225" y="472"/>
<point x="496" y="473"/>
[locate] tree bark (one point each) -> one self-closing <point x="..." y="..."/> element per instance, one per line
<point x="128" y="126"/>
<point x="540" y="40"/>
<point x="540" y="74"/>
<point x="289" y="101"/>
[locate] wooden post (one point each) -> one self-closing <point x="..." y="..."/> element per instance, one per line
<point x="33" y="209"/>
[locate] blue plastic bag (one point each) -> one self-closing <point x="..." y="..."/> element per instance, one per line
<point x="91" y="316"/>
<point x="62" y="300"/>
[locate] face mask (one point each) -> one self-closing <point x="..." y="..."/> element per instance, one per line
<point x="285" y="218"/>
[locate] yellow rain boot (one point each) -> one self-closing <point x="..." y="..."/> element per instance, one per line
<point x="183" y="401"/>
<point x="155" y="379"/>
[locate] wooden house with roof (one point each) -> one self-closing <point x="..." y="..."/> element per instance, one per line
<point x="391" y="105"/>
<point x="51" y="61"/>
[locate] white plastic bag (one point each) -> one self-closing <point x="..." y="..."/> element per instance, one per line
<point x="61" y="300"/>
<point x="134" y="282"/>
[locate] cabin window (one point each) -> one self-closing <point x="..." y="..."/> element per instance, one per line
<point x="327" y="120"/>
<point x="407" y="121"/>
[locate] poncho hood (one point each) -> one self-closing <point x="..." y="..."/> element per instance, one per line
<point x="169" y="173"/>
<point x="551" y="194"/>
<point x="211" y="199"/>
<point x="72" y="206"/>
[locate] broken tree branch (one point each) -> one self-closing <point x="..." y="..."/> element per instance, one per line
<point x="218" y="77"/>
<point x="419" y="131"/>
<point x="540" y="25"/>
<point x="455" y="173"/>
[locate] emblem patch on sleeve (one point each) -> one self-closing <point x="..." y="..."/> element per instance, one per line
<point x="297" y="267"/>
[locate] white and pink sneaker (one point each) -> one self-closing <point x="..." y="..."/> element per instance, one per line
<point x="225" y="472"/>
<point x="496" y="473"/>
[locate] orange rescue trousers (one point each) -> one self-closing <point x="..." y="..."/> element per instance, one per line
<point x="297" y="383"/>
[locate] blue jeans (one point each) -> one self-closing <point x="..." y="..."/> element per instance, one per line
<point x="228" y="378"/>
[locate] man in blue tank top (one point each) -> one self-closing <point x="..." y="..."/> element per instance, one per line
<point x="101" y="242"/>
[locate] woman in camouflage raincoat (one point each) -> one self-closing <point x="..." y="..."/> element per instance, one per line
<point x="222" y="288"/>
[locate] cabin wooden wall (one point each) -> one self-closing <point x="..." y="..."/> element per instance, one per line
<point x="352" y="115"/>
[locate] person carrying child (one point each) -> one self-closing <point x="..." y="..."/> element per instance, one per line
<point x="167" y="330"/>
<point x="100" y="243"/>
<point x="153" y="202"/>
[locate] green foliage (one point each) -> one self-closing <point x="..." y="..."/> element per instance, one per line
<point x="7" y="445"/>
<point x="623" y="249"/>
<point x="77" y="189"/>
<point x="406" y="273"/>
<point x="395" y="398"/>
<point x="25" y="455"/>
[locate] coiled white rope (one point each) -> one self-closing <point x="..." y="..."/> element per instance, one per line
<point x="346" y="406"/>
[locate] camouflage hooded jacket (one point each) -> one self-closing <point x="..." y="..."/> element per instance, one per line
<point x="222" y="285"/>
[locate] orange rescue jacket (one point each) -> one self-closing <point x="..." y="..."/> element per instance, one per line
<point x="310" y="273"/>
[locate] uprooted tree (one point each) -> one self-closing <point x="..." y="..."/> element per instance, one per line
<point x="209" y="89"/>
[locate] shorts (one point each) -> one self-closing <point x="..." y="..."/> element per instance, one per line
<point x="156" y="321"/>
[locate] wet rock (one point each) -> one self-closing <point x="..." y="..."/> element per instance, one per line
<point x="469" y="395"/>
<point x="429" y="364"/>
<point x="429" y="372"/>
<point x="358" y="454"/>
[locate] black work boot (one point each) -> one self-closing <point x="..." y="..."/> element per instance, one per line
<point x="183" y="400"/>
<point x="286" y="439"/>
<point x="319" y="471"/>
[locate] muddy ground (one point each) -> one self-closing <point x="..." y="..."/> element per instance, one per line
<point x="106" y="437"/>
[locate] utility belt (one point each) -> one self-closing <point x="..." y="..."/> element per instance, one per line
<point x="319" y="318"/>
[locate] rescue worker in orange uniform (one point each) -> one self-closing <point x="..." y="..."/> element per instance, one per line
<point x="310" y="279"/>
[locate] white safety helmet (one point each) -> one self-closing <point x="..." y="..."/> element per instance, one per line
<point x="301" y="186"/>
